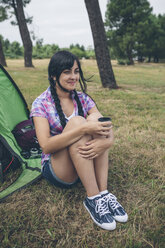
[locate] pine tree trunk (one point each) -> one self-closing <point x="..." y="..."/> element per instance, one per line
<point x="24" y="32"/>
<point x="100" y="44"/>
<point x="2" y="56"/>
<point x="129" y="54"/>
<point x="156" y="59"/>
<point x="149" y="59"/>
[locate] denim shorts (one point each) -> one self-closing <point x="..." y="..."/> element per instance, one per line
<point x="49" y="175"/>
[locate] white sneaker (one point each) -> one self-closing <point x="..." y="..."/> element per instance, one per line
<point x="116" y="209"/>
<point x="99" y="212"/>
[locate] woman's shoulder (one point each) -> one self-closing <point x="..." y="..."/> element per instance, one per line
<point x="44" y="97"/>
<point x="84" y="96"/>
<point x="41" y="104"/>
<point x="81" y="94"/>
<point x="86" y="101"/>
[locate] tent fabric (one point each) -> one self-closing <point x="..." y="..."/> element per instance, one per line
<point x="14" y="109"/>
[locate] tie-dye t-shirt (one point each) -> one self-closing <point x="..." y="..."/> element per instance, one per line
<point x="44" y="106"/>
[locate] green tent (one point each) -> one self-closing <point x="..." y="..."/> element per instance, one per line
<point x="14" y="109"/>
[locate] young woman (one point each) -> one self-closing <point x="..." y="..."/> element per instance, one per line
<point x="74" y="143"/>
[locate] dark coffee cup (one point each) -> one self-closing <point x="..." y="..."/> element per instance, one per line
<point x="102" y="119"/>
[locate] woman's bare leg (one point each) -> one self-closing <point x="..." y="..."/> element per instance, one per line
<point x="84" y="167"/>
<point x="63" y="167"/>
<point x="101" y="163"/>
<point x="68" y="163"/>
<point x="101" y="171"/>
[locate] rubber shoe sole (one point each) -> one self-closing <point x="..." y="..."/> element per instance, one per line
<point x="106" y="226"/>
<point x="122" y="219"/>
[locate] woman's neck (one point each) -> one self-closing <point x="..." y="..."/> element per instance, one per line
<point x="61" y="93"/>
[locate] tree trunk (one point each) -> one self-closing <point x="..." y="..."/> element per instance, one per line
<point x="2" y="56"/>
<point x="131" y="60"/>
<point x="149" y="59"/>
<point x="140" y="59"/>
<point x="24" y="32"/>
<point x="100" y="44"/>
<point x="156" y="59"/>
<point x="129" y="54"/>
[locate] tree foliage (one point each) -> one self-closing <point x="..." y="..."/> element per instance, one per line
<point x="8" y="6"/>
<point x="41" y="51"/>
<point x="7" y="11"/>
<point x="3" y="13"/>
<point x="81" y="52"/>
<point x="3" y="16"/>
<point x="16" y="8"/>
<point x="132" y="30"/>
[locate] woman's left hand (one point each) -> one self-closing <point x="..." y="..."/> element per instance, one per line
<point x="92" y="149"/>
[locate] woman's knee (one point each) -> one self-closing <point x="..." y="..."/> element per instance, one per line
<point x="74" y="122"/>
<point x="81" y="142"/>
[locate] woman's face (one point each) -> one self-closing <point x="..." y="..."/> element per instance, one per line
<point x="69" y="77"/>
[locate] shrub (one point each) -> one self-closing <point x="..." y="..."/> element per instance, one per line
<point x="121" y="62"/>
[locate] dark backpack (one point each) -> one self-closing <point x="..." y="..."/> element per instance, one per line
<point x="25" y="136"/>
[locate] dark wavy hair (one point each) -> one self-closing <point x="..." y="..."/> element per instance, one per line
<point x="59" y="62"/>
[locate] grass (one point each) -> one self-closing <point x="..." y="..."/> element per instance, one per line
<point x="44" y="216"/>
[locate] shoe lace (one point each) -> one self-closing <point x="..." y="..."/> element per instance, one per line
<point x="112" y="201"/>
<point x="101" y="207"/>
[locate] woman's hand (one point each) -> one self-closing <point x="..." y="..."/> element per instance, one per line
<point x="101" y="128"/>
<point x="93" y="148"/>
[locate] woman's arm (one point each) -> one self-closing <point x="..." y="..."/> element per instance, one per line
<point x="108" y="142"/>
<point x="51" y="144"/>
<point x="98" y="145"/>
<point x="94" y="110"/>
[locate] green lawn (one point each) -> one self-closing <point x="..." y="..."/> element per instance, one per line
<point x="42" y="216"/>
